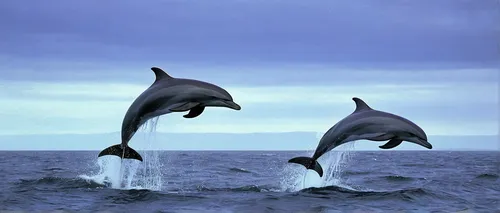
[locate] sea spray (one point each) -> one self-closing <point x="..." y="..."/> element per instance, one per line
<point x="336" y="161"/>
<point x="295" y="177"/>
<point x="109" y="172"/>
<point x="150" y="175"/>
<point x="135" y="174"/>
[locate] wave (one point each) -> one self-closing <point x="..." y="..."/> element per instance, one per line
<point x="75" y="183"/>
<point x="53" y="169"/>
<point x="357" y="172"/>
<point x="249" y="188"/>
<point x="140" y="195"/>
<point x="419" y="165"/>
<point x="487" y="176"/>
<point x="61" y="183"/>
<point x="133" y="195"/>
<point x="407" y="194"/>
<point x="114" y="196"/>
<point x="239" y="170"/>
<point x="400" y="178"/>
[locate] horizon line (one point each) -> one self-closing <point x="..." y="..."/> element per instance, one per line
<point x="287" y="132"/>
<point x="257" y="150"/>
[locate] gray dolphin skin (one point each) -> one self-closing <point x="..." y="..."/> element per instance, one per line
<point x="166" y="95"/>
<point x="365" y="123"/>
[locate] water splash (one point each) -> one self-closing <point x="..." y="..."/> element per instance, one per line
<point x="337" y="161"/>
<point x="109" y="172"/>
<point x="136" y="175"/>
<point x="296" y="177"/>
<point x="151" y="172"/>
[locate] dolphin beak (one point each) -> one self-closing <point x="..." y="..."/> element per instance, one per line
<point x="232" y="105"/>
<point x="424" y="143"/>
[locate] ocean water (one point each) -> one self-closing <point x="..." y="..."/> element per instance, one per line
<point x="250" y="181"/>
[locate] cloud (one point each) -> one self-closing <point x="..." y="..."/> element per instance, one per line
<point x="252" y="31"/>
<point x="74" y="67"/>
<point x="90" y="107"/>
<point x="283" y="74"/>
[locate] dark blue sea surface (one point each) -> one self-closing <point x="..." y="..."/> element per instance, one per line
<point x="250" y="181"/>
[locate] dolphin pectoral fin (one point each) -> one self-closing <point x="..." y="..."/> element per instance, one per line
<point x="185" y="107"/>
<point x="391" y="144"/>
<point x="195" y="112"/>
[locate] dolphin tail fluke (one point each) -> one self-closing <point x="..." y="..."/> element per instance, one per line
<point x="117" y="150"/>
<point x="309" y="163"/>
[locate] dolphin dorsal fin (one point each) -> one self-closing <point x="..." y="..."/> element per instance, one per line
<point x="360" y="105"/>
<point x="160" y="74"/>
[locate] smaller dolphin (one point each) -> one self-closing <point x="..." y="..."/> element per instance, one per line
<point x="167" y="94"/>
<point x="369" y="124"/>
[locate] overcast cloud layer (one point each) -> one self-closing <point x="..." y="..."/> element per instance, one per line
<point x="75" y="67"/>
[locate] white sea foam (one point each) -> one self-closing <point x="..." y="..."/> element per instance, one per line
<point x="132" y="174"/>
<point x="296" y="177"/>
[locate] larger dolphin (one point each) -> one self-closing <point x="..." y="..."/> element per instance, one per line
<point x="167" y="94"/>
<point x="368" y="124"/>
